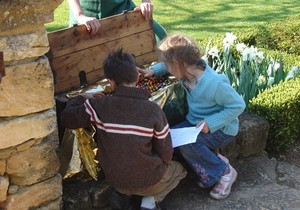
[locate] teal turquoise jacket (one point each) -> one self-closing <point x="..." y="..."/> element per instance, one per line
<point x="213" y="100"/>
<point x="105" y="8"/>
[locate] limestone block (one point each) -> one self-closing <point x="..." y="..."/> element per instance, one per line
<point x="13" y="189"/>
<point x="15" y="131"/>
<point x="27" y="88"/>
<point x="26" y="145"/>
<point x="253" y="134"/>
<point x="231" y="151"/>
<point x="6" y="153"/>
<point x="2" y="167"/>
<point x="4" y="183"/>
<point x="55" y="205"/>
<point x="29" y="44"/>
<point x="19" y="14"/>
<point x="35" y="195"/>
<point x="251" y="138"/>
<point x="52" y="139"/>
<point x="38" y="163"/>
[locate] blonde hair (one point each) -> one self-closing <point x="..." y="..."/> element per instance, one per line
<point x="181" y="48"/>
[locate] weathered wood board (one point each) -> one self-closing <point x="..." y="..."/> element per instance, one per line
<point x="74" y="50"/>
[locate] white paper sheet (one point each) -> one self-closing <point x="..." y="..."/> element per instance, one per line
<point x="182" y="136"/>
<point x="97" y="89"/>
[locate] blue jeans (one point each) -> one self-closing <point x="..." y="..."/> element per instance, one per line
<point x="200" y="156"/>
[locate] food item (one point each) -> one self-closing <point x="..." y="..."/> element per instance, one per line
<point x="153" y="84"/>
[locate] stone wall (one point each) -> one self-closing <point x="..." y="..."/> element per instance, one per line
<point x="29" y="165"/>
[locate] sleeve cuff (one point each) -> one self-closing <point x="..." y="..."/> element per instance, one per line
<point x="159" y="69"/>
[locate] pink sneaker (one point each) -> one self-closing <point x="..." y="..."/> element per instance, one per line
<point x="222" y="189"/>
<point x="223" y="158"/>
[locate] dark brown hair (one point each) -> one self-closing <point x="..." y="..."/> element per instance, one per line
<point x="120" y="67"/>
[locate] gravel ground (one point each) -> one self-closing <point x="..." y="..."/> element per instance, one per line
<point x="291" y="155"/>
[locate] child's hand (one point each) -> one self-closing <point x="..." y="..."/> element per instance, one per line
<point x="98" y="95"/>
<point x="146" y="8"/>
<point x="145" y="72"/>
<point x="91" y="23"/>
<point x="205" y="128"/>
<point x="92" y="95"/>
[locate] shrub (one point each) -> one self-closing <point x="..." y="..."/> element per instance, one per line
<point x="280" y="105"/>
<point x="289" y="60"/>
<point x="283" y="35"/>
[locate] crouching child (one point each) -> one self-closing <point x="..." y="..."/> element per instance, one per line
<point x="135" y="148"/>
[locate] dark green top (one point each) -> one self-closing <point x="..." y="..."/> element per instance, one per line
<point x="104" y="8"/>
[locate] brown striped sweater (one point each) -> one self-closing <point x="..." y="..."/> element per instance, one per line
<point x="132" y="135"/>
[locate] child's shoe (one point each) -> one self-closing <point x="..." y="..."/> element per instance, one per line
<point x="222" y="189"/>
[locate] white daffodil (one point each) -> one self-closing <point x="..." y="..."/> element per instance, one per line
<point x="273" y="67"/>
<point x="218" y="70"/>
<point x="233" y="85"/>
<point x="248" y="54"/>
<point x="240" y="47"/>
<point x="245" y="54"/>
<point x="270" y="81"/>
<point x="205" y="58"/>
<point x="261" y="79"/>
<point x="253" y="52"/>
<point x="259" y="57"/>
<point x="214" y="52"/>
<point x="293" y="72"/>
<point x="270" y="69"/>
<point x="229" y="40"/>
<point x="276" y="66"/>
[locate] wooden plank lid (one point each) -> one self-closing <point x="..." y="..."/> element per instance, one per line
<point x="74" y="50"/>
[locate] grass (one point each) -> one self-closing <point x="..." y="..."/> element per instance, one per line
<point x="205" y="18"/>
<point x="61" y="17"/>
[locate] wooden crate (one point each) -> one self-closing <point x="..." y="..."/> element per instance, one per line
<point x="74" y="50"/>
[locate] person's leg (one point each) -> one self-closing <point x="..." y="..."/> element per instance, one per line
<point x="171" y="178"/>
<point x="204" y="162"/>
<point x="201" y="157"/>
<point x="211" y="168"/>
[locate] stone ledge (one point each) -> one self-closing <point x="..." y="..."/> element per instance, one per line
<point x="251" y="139"/>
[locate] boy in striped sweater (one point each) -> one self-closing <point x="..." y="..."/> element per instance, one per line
<point x="135" y="148"/>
